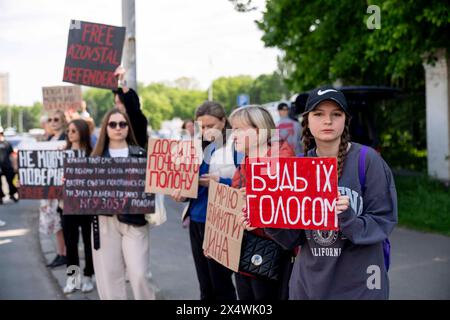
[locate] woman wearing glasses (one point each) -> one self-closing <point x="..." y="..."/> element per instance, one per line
<point x="78" y="138"/>
<point x="49" y="219"/>
<point x="120" y="240"/>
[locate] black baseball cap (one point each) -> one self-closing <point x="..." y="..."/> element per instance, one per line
<point x="319" y="95"/>
<point x="283" y="105"/>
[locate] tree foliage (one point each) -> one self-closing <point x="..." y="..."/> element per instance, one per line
<point x="326" y="40"/>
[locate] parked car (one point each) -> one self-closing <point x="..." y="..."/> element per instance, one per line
<point x="361" y="101"/>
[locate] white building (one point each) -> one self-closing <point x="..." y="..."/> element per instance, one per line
<point x="4" y="88"/>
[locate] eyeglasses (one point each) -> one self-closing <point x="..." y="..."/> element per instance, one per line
<point x="53" y="119"/>
<point x="114" y="124"/>
<point x="72" y="131"/>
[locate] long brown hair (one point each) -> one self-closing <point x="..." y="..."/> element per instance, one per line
<point x="103" y="139"/>
<point x="84" y="133"/>
<point x="214" y="109"/>
<point x="308" y="140"/>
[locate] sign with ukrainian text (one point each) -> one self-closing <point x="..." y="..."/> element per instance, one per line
<point x="94" y="185"/>
<point x="292" y="193"/>
<point x="223" y="231"/>
<point x="173" y="165"/>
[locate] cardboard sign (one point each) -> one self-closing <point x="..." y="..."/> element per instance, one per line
<point x="173" y="165"/>
<point x="106" y="185"/>
<point x="223" y="231"/>
<point x="292" y="193"/>
<point x="94" y="51"/>
<point x="65" y="98"/>
<point x="41" y="172"/>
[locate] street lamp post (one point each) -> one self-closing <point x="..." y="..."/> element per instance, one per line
<point x="129" y="56"/>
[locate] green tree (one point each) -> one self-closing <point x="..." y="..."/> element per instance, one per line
<point x="226" y="90"/>
<point x="98" y="101"/>
<point x="326" y="40"/>
<point x="30" y="116"/>
<point x="267" y="88"/>
<point x="156" y="106"/>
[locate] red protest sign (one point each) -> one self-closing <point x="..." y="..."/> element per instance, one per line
<point x="94" y="51"/>
<point x="292" y="193"/>
<point x="173" y="165"/>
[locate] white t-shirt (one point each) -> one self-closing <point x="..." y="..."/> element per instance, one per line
<point x="123" y="152"/>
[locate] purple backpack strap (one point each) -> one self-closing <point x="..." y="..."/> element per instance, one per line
<point x="362" y="168"/>
<point x="362" y="182"/>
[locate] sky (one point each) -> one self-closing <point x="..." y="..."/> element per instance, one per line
<point x="174" y="38"/>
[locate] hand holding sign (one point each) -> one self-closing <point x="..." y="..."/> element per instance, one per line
<point x="205" y="178"/>
<point x="342" y="203"/>
<point x="120" y="73"/>
<point x="245" y="222"/>
<point x="176" y="196"/>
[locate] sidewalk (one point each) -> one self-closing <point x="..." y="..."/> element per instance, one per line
<point x="420" y="261"/>
<point x="48" y="246"/>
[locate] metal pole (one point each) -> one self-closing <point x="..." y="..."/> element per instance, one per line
<point x="210" y="89"/>
<point x="129" y="52"/>
<point x="8" y="119"/>
<point x="21" y="120"/>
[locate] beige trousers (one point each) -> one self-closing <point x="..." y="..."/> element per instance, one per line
<point x="122" y="246"/>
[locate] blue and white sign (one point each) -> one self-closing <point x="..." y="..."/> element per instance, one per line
<point x="243" y="100"/>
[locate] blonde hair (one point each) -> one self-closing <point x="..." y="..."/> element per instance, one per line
<point x="255" y="116"/>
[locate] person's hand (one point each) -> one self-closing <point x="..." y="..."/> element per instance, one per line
<point x="243" y="193"/>
<point x="120" y="73"/>
<point x="245" y="222"/>
<point x="342" y="204"/>
<point x="176" y="196"/>
<point x="204" y="180"/>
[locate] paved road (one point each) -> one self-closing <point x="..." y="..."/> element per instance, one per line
<point x="420" y="261"/>
<point x="23" y="274"/>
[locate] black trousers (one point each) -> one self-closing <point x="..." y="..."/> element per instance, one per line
<point x="257" y="289"/>
<point x="71" y="225"/>
<point x="215" y="280"/>
<point x="8" y="172"/>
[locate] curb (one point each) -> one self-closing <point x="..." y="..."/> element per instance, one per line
<point x="47" y="247"/>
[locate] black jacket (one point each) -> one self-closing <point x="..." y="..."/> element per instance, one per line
<point x="134" y="112"/>
<point x="132" y="219"/>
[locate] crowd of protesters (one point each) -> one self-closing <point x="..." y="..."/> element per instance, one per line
<point x="117" y="246"/>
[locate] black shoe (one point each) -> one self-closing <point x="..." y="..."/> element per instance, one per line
<point x="58" y="261"/>
<point x="13" y="198"/>
<point x="1" y="200"/>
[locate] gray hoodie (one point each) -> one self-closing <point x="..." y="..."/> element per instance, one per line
<point x="347" y="264"/>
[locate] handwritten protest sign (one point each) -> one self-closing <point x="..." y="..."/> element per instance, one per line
<point x="94" y="51"/>
<point x="223" y="231"/>
<point x="106" y="185"/>
<point x="41" y="172"/>
<point x="292" y="193"/>
<point x="62" y="98"/>
<point x="173" y="165"/>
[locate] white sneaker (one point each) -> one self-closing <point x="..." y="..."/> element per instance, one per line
<point x="70" y="286"/>
<point x="87" y="284"/>
<point x="2" y="223"/>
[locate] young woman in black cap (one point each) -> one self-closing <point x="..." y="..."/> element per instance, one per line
<point x="350" y="263"/>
